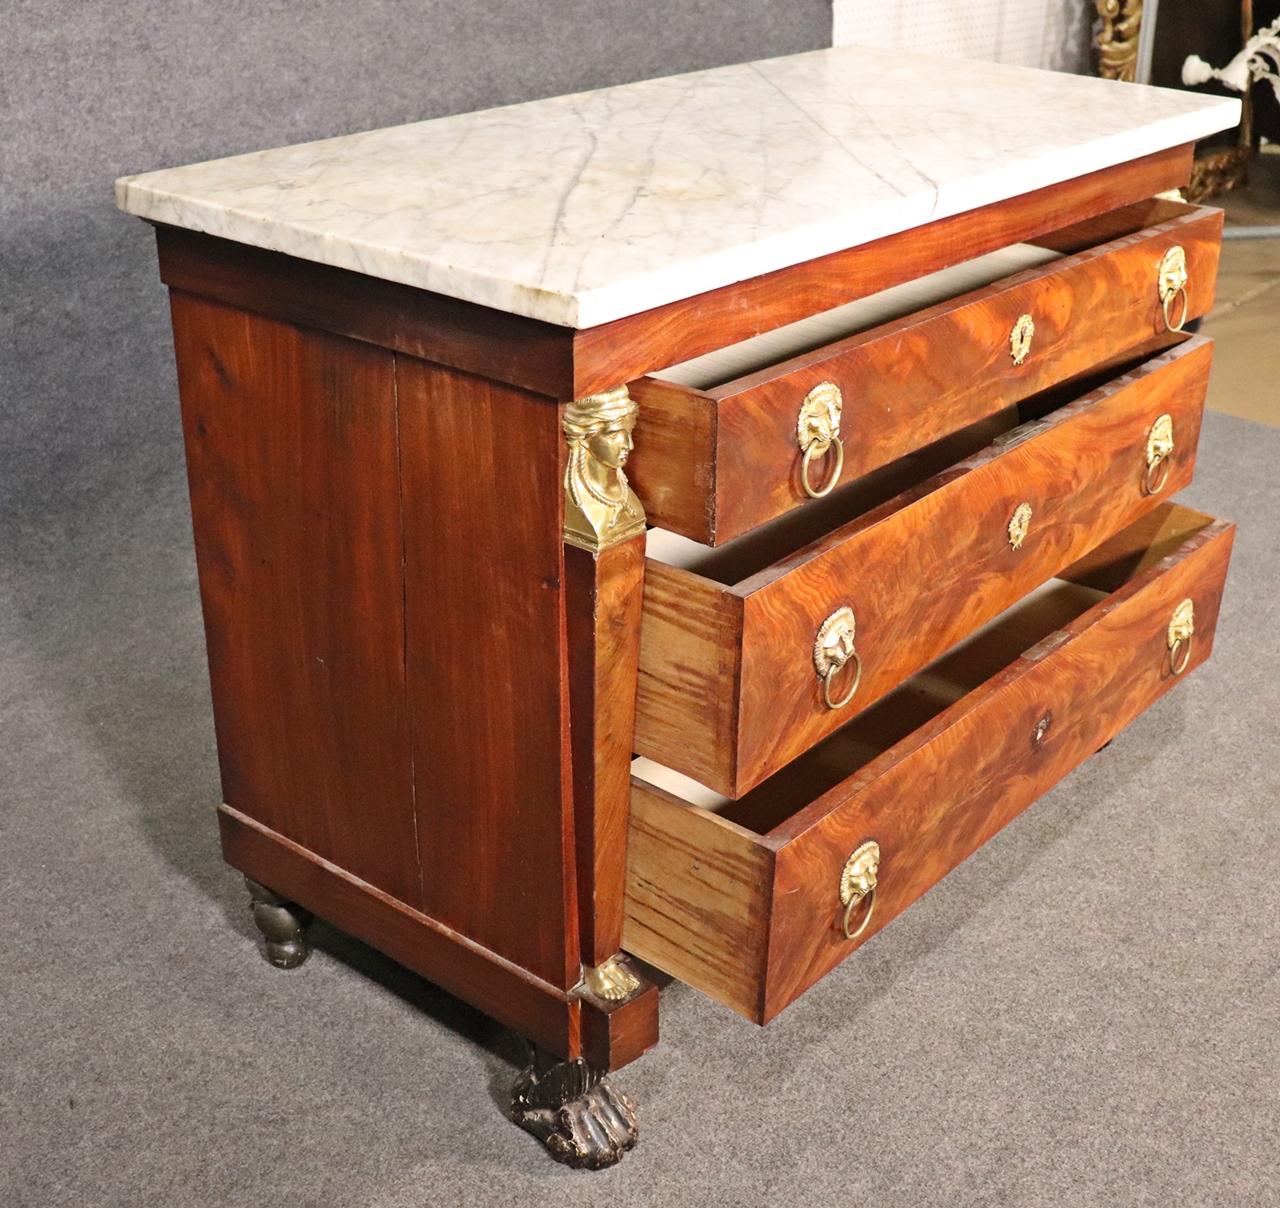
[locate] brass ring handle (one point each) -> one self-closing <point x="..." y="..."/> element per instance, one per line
<point x="814" y="451"/>
<point x="1182" y="628"/>
<point x="832" y="650"/>
<point x="817" y="432"/>
<point x="870" y="899"/>
<point x="858" y="882"/>
<point x="1171" y="281"/>
<point x="1160" y="467"/>
<point x="1185" y="648"/>
<point x="1167" y="303"/>
<point x="830" y="674"/>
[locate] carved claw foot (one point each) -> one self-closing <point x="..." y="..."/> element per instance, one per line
<point x="283" y="925"/>
<point x="581" y="1120"/>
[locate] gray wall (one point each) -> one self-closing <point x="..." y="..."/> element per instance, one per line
<point x="90" y="91"/>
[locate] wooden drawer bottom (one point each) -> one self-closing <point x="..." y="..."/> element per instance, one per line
<point x="742" y="898"/>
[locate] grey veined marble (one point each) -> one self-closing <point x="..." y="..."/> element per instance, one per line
<point x="586" y="208"/>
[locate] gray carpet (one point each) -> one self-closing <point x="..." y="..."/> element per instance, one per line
<point x="1088" y="1012"/>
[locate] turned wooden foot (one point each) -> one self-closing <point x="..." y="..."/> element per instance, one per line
<point x="567" y="1105"/>
<point x="283" y="925"/>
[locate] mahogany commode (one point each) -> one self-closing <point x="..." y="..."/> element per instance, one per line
<point x="901" y="406"/>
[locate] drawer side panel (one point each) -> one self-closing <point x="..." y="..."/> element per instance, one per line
<point x="697" y="898"/>
<point x="673" y="466"/>
<point x="686" y="710"/>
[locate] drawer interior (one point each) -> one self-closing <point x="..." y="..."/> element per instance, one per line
<point x="945" y="681"/>
<point x="751" y="554"/>
<point x="772" y="349"/>
<point x="747" y="555"/>
<point x="795" y="339"/>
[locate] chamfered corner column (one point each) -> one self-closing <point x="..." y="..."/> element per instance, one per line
<point x="604" y="528"/>
<point x="568" y="1107"/>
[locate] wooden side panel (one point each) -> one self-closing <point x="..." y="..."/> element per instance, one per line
<point x="484" y="570"/>
<point x="291" y="455"/>
<point x="603" y="608"/>
<point x="686" y="699"/>
<point x="626" y="349"/>
<point x="935" y="798"/>
<point x="698" y="898"/>
<point x="534" y="1008"/>
<point x="921" y="573"/>
<point x="915" y="381"/>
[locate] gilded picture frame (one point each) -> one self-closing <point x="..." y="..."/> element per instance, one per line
<point x="1125" y="36"/>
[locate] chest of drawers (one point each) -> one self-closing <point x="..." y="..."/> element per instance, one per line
<point x="663" y="531"/>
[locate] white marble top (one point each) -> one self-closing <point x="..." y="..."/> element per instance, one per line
<point x="586" y="208"/>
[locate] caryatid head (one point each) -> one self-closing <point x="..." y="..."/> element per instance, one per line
<point x="600" y="506"/>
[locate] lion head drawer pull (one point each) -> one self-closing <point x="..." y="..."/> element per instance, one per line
<point x="832" y="650"/>
<point x="1159" y="452"/>
<point x="858" y="884"/>
<point x="1020" y="337"/>
<point x="1172" y="283"/>
<point x="1182" y="628"/>
<point x="817" y="433"/>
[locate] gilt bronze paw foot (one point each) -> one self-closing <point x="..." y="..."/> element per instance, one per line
<point x="569" y="1107"/>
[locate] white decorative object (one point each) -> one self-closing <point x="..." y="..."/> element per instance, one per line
<point x="587" y="208"/>
<point x="1259" y="60"/>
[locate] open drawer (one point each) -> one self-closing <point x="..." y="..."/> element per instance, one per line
<point x="719" y="440"/>
<point x="749" y="900"/>
<point x="751" y="653"/>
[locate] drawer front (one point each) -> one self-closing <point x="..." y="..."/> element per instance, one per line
<point x="755" y="917"/>
<point x="712" y="465"/>
<point x="729" y="685"/>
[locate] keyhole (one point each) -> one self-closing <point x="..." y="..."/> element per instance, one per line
<point x="1042" y="728"/>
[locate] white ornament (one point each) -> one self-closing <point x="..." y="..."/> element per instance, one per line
<point x="1259" y="60"/>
